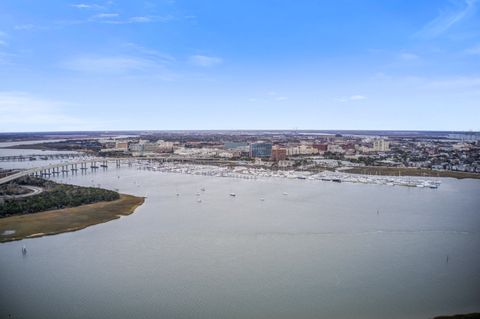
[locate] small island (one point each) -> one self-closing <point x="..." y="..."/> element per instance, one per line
<point x="34" y="207"/>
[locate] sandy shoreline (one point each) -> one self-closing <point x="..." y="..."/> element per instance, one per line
<point x="67" y="219"/>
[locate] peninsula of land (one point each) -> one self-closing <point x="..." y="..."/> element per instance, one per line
<point x="34" y="207"/>
<point x="67" y="219"/>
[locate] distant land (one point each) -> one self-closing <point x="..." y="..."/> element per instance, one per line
<point x="19" y="136"/>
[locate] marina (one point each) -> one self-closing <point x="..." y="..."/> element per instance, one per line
<point x="241" y="172"/>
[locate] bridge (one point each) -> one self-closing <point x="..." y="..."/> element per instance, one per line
<point x="91" y="163"/>
<point x="65" y="168"/>
<point x="34" y="157"/>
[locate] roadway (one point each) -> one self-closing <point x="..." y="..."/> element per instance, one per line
<point x="34" y="190"/>
<point x="72" y="164"/>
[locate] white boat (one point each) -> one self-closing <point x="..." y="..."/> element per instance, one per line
<point x="285" y="193"/>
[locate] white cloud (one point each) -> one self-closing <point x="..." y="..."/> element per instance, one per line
<point x="151" y="53"/>
<point x="448" y="18"/>
<point x="106" y="15"/>
<point x="103" y="16"/>
<point x="268" y="97"/>
<point x="109" y="64"/>
<point x="5" y="57"/>
<point x="406" y="56"/>
<point x="473" y="51"/>
<point x="204" y="61"/>
<point x="146" y="19"/>
<point x="3" y="39"/>
<point x="351" y="98"/>
<point x="357" y="97"/>
<point x="87" y="6"/>
<point x="140" y="19"/>
<point x="24" y="27"/>
<point x="24" y="112"/>
<point x="116" y="18"/>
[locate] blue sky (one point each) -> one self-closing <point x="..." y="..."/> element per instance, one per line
<point x="239" y="64"/>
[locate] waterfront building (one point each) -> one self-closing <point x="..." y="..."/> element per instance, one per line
<point x="293" y="150"/>
<point x="242" y="146"/>
<point x="136" y="148"/>
<point x="278" y="153"/>
<point x="335" y="148"/>
<point x="320" y="147"/>
<point x="121" y="145"/>
<point x="380" y="145"/>
<point x="261" y="149"/>
<point x="306" y="149"/>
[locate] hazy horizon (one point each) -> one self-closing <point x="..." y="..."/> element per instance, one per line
<point x="326" y="131"/>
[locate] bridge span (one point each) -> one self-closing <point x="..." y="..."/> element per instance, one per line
<point x="35" y="157"/>
<point x="91" y="163"/>
<point x="66" y="167"/>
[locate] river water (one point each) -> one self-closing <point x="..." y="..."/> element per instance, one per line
<point x="324" y="250"/>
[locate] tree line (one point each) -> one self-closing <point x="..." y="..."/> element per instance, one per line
<point x="55" y="196"/>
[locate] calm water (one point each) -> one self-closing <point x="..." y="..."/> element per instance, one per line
<point x="321" y="251"/>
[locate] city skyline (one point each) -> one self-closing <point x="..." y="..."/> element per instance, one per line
<point x="181" y="65"/>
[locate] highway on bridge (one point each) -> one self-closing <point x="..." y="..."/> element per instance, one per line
<point x="54" y="168"/>
<point x="51" y="167"/>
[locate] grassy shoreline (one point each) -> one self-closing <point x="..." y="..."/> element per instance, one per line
<point x="408" y="171"/>
<point x="66" y="219"/>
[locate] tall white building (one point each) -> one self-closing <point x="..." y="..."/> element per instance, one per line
<point x="380" y="145"/>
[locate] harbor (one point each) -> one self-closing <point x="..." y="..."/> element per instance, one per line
<point x="243" y="172"/>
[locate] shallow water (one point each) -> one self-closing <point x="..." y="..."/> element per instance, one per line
<point x="322" y="251"/>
